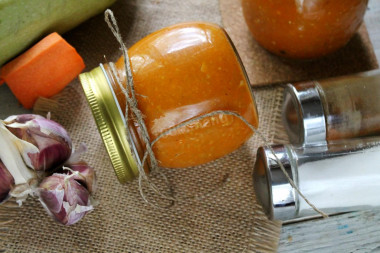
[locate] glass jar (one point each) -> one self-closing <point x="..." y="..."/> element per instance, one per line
<point x="180" y="72"/>
<point x="333" y="108"/>
<point x="339" y="176"/>
<point x="303" y="29"/>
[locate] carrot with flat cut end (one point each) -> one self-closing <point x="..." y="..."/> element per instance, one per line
<point x="42" y="71"/>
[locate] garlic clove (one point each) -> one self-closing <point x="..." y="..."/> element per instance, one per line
<point x="64" y="198"/>
<point x="7" y="183"/>
<point x="54" y="194"/>
<point x="25" y="148"/>
<point x="24" y="178"/>
<point x="51" y="139"/>
<point x="84" y="174"/>
<point x="76" y="215"/>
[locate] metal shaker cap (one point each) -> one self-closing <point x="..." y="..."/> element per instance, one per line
<point x="303" y="114"/>
<point x="273" y="190"/>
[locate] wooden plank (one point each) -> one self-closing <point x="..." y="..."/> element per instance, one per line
<point x="350" y="232"/>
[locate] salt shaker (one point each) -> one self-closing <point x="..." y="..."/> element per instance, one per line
<point x="331" y="109"/>
<point x="338" y="176"/>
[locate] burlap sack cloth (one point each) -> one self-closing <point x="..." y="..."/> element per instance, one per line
<point x="227" y="219"/>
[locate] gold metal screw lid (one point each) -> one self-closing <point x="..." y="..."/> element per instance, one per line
<point x="110" y="121"/>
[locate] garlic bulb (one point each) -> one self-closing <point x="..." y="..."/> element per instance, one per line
<point x="64" y="198"/>
<point x="50" y="138"/>
<point x="31" y="143"/>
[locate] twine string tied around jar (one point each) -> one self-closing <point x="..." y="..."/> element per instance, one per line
<point x="132" y="105"/>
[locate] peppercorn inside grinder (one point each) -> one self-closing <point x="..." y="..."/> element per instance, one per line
<point x="180" y="73"/>
<point x="332" y="109"/>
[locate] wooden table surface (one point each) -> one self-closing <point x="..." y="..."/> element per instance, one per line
<point x="351" y="232"/>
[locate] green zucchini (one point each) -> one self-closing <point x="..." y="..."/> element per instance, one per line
<point x="24" y="22"/>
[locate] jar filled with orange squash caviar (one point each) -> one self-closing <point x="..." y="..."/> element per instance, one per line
<point x="303" y="29"/>
<point x="180" y="72"/>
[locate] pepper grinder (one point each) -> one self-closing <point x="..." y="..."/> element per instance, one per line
<point x="332" y="109"/>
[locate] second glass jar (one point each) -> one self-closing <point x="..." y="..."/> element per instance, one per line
<point x="303" y="29"/>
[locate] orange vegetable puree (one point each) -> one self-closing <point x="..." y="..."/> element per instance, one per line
<point x="182" y="72"/>
<point x="303" y="28"/>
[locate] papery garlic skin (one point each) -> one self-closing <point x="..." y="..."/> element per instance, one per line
<point x="64" y="198"/>
<point x="84" y="174"/>
<point x="24" y="177"/>
<point x="7" y="183"/>
<point x="51" y="139"/>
